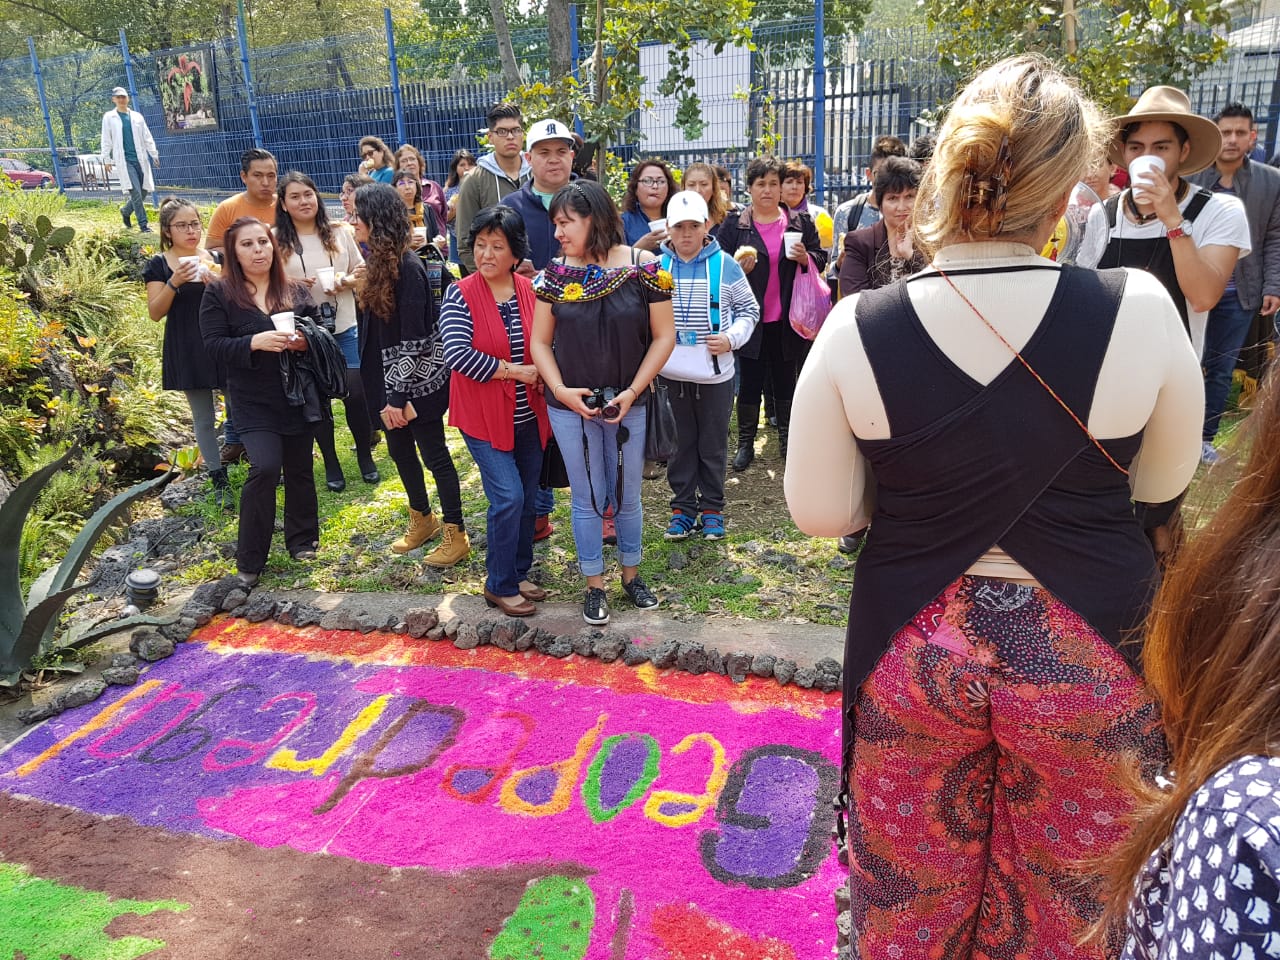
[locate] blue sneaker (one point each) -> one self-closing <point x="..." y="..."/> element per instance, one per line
<point x="680" y="527"/>
<point x="713" y="526"/>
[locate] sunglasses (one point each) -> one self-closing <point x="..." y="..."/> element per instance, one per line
<point x="368" y="153"/>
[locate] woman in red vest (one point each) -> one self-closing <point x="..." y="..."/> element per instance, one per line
<point x="496" y="400"/>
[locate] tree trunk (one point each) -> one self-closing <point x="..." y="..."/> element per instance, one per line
<point x="559" y="32"/>
<point x="510" y="70"/>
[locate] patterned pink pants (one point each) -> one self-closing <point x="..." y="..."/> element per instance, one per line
<point x="986" y="748"/>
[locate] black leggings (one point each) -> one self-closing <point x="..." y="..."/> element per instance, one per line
<point x="428" y="434"/>
<point x="269" y="453"/>
<point x="358" y="422"/>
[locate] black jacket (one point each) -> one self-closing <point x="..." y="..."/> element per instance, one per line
<point x="739" y="230"/>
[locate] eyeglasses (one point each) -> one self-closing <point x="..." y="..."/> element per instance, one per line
<point x="652" y="181"/>
<point x="186" y="225"/>
<point x="506" y="133"/>
<point x="368" y="153"/>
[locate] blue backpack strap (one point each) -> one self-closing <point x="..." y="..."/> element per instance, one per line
<point x="714" y="275"/>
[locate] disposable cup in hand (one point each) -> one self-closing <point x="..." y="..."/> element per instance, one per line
<point x="194" y="260"/>
<point x="284" y="322"/>
<point x="327" y="277"/>
<point x="419" y="236"/>
<point x="789" y="239"/>
<point x="656" y="225"/>
<point x="1140" y="170"/>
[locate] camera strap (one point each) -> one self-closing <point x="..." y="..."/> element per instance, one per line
<point x="623" y="436"/>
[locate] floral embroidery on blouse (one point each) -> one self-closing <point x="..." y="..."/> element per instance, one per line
<point x="563" y="283"/>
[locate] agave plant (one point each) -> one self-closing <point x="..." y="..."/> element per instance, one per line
<point x="28" y="627"/>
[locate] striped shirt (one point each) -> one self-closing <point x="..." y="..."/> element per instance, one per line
<point x="457" y="330"/>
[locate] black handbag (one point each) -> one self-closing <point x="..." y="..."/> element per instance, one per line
<point x="661" y="439"/>
<point x="554" y="473"/>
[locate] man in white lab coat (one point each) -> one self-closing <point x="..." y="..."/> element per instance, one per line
<point x="126" y="142"/>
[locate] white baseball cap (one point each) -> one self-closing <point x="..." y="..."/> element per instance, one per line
<point x="549" y="130"/>
<point x="119" y="92"/>
<point x="686" y="206"/>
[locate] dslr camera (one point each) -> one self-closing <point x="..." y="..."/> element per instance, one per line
<point x="328" y="316"/>
<point x="603" y="399"/>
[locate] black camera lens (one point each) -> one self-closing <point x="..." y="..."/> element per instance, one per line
<point x="611" y="411"/>
<point x="592" y="400"/>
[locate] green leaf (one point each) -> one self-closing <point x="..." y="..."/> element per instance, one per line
<point x="44" y="226"/>
<point x="61" y="237"/>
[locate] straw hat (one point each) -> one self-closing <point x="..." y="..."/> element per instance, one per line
<point x="1171" y="105"/>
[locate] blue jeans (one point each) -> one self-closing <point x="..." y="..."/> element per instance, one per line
<point x="602" y="448"/>
<point x="545" y="501"/>
<point x="510" y="480"/>
<point x="136" y="204"/>
<point x="1224" y="335"/>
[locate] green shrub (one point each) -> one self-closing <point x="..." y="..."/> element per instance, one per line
<point x="26" y="205"/>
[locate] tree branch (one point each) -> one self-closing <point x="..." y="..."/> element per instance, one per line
<point x="53" y="15"/>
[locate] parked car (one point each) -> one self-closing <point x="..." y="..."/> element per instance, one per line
<point x="24" y="174"/>
<point x="85" y="171"/>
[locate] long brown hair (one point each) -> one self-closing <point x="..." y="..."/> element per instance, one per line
<point x="715" y="206"/>
<point x="238" y="288"/>
<point x="1212" y="652"/>
<point x="287" y="230"/>
<point x="383" y="212"/>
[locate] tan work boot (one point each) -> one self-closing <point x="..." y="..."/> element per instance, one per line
<point x="422" y="527"/>
<point x="454" y="547"/>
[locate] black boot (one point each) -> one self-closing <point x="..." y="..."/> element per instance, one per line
<point x="222" y="494"/>
<point x="748" y="422"/>
<point x="742" y="459"/>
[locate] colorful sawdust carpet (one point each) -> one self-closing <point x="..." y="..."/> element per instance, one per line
<point x="272" y="792"/>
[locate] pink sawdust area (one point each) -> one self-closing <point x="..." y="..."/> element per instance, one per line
<point x="311" y="793"/>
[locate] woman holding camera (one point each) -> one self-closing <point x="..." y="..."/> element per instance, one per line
<point x="406" y="382"/>
<point x="246" y="320"/>
<point x="325" y="257"/>
<point x="991" y="418"/>
<point x="602" y="330"/>
<point x="496" y="399"/>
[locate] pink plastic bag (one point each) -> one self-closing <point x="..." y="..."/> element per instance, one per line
<point x="810" y="301"/>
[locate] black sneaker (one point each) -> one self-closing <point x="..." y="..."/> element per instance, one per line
<point x="128" y="220"/>
<point x="595" y="607"/>
<point x="640" y="593"/>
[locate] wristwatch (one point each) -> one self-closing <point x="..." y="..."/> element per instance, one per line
<point x="1181" y="230"/>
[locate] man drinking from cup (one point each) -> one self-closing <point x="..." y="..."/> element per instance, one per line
<point x="1187" y="237"/>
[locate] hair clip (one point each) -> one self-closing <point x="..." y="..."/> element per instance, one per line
<point x="991" y="192"/>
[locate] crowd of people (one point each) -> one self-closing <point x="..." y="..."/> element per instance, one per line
<point x="1033" y="321"/>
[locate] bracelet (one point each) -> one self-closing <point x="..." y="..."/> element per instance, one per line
<point x="169" y="284"/>
<point x="556" y="388"/>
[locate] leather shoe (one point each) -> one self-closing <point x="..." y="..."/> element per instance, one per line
<point x="511" y="606"/>
<point x="533" y="592"/>
<point x="372" y="476"/>
<point x="248" y="580"/>
<point x="742" y="459"/>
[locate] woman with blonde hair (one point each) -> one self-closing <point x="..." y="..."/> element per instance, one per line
<point x="991" y="418"/>
<point x="701" y="179"/>
<point x="1199" y="875"/>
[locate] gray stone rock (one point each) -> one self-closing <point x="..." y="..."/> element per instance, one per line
<point x="233" y="599"/>
<point x="123" y="660"/>
<point x="715" y="662"/>
<point x="436" y="632"/>
<point x="776" y="558"/>
<point x="201" y="613"/>
<point x="806" y="677"/>
<point x="307" y="615"/>
<point x="542" y="640"/>
<point x="762" y="664"/>
<point x="560" y="647"/>
<point x="692" y="657"/>
<point x="737" y="666"/>
<point x="840" y="563"/>
<point x="121" y="676"/>
<point x="451" y="627"/>
<point x="150" y="645"/>
<point x="419" y="620"/>
<point x="584" y="641"/>
<point x="36" y="714"/>
<point x="665" y="654"/>
<point x="175" y="631"/>
<point x="168" y="536"/>
<point x="633" y="654"/>
<point x="484" y="630"/>
<point x="842" y="896"/>
<point x="610" y="646"/>
<point x="212" y="594"/>
<point x="466" y="637"/>
<point x="261" y="606"/>
<point x="503" y="636"/>
<point x="829" y="671"/>
<point x="784" y="670"/>
<point x="81" y="692"/>
<point x="524" y="641"/>
<point x="677" y="560"/>
<point x="844" y="927"/>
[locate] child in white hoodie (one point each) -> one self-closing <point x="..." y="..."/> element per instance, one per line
<point x="716" y="313"/>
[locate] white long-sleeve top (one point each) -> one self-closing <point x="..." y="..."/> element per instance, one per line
<point x="1150" y="380"/>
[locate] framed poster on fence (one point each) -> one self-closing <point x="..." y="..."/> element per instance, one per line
<point x="188" y="90"/>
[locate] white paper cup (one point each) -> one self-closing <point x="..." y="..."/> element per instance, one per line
<point x="284" y="322"/>
<point x="194" y="259"/>
<point x="1140" y="169"/>
<point x="658" y="224"/>
<point x="327" y="278"/>
<point x="789" y="239"/>
<point x="419" y="236"/>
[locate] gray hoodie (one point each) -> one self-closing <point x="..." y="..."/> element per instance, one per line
<point x="483" y="188"/>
